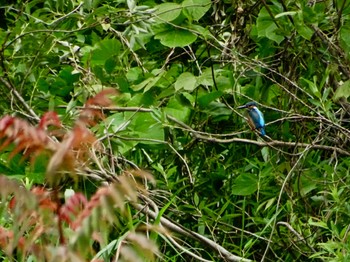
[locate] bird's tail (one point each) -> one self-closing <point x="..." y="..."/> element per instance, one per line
<point x="262" y="131"/>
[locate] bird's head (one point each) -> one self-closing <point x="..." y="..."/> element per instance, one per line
<point x="248" y="105"/>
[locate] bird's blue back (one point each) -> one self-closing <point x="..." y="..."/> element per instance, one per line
<point x="258" y="119"/>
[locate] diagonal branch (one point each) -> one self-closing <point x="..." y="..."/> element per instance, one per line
<point x="223" y="253"/>
<point x="20" y="98"/>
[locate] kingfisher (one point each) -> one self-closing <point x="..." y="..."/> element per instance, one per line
<point x="255" y="117"/>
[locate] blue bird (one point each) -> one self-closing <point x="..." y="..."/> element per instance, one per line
<point x="255" y="117"/>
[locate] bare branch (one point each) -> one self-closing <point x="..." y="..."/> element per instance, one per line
<point x="223" y="253"/>
<point x="20" y="98"/>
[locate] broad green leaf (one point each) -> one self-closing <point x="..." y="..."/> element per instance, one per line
<point x="143" y="125"/>
<point x="186" y="81"/>
<point x="117" y="122"/>
<point x="145" y="99"/>
<point x="134" y="74"/>
<point x="168" y="11"/>
<point x="205" y="78"/>
<point x="224" y="83"/>
<point x="302" y="28"/>
<point x="176" y="109"/>
<point x="304" y="31"/>
<point x="245" y="184"/>
<point x="218" y="109"/>
<point x="123" y="84"/>
<point x="305" y="185"/>
<point x="267" y="28"/>
<point x="342" y="91"/>
<point x="206" y="99"/>
<point x="104" y="50"/>
<point x="196" y="9"/>
<point x="4" y="169"/>
<point x="200" y="30"/>
<point x="176" y="37"/>
<point x="59" y="87"/>
<point x="190" y="98"/>
<point x="110" y="64"/>
<point x="142" y="85"/>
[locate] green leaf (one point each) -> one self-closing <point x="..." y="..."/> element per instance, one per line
<point x="345" y="38"/>
<point x="176" y="37"/>
<point x="321" y="224"/>
<point x="206" y="99"/>
<point x="110" y="64"/>
<point x="4" y="169"/>
<point x="176" y="109"/>
<point x="305" y="185"/>
<point x="104" y="50"/>
<point x="245" y="184"/>
<point x="117" y="123"/>
<point x="145" y="126"/>
<point x="302" y="28"/>
<point x="218" y="109"/>
<point x="265" y="152"/>
<point x="304" y="31"/>
<point x="291" y="13"/>
<point x="267" y="28"/>
<point x="205" y="78"/>
<point x="186" y="81"/>
<point x="149" y="82"/>
<point x="342" y="91"/>
<point x="200" y="30"/>
<point x="134" y="74"/>
<point x="168" y="12"/>
<point x="313" y="87"/>
<point x="196" y="9"/>
<point x="142" y="99"/>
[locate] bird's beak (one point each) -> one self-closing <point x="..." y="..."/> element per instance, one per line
<point x="240" y="107"/>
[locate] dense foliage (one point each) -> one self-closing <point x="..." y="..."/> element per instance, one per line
<point x="155" y="85"/>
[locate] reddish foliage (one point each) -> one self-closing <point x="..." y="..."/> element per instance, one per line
<point x="72" y="208"/>
<point x="89" y="206"/>
<point x="101" y="99"/>
<point x="33" y="141"/>
<point x="74" y="147"/>
<point x="43" y="197"/>
<point x="7" y="236"/>
<point x="49" y="118"/>
<point x="24" y="136"/>
<point x="32" y="206"/>
<point x="91" y="113"/>
<point x="28" y="208"/>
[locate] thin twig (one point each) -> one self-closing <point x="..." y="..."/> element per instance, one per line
<point x="300" y="237"/>
<point x="20" y="98"/>
<point x="160" y="142"/>
<point x="289" y="175"/>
